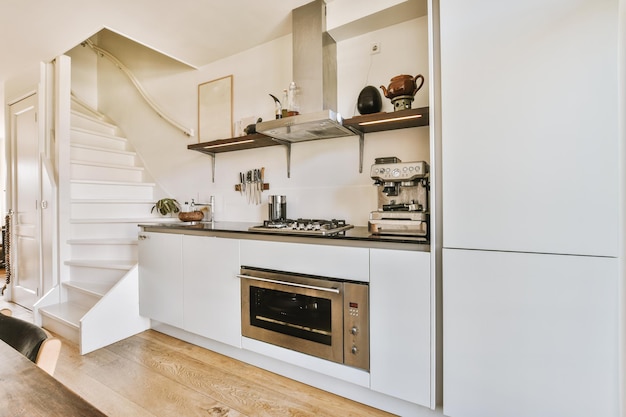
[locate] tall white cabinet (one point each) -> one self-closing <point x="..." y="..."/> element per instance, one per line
<point x="530" y="196"/>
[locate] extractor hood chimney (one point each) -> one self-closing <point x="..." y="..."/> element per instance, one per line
<point x="315" y="74"/>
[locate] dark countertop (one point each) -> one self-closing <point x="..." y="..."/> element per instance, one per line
<point x="357" y="236"/>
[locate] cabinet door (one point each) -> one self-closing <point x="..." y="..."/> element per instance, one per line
<point x="530" y="125"/>
<point x="529" y="335"/>
<point x="400" y="324"/>
<point x="212" y="291"/>
<point x="161" y="277"/>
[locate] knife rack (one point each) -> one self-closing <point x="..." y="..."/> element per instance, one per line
<point x="266" y="186"/>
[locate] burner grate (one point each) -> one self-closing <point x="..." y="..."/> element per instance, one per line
<point x="305" y="226"/>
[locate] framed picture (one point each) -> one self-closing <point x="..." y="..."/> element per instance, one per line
<point x="215" y="109"/>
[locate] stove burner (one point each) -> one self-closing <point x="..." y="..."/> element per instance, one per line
<point x="305" y="226"/>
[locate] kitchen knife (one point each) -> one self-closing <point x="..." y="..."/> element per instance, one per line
<point x="262" y="182"/>
<point x="258" y="186"/>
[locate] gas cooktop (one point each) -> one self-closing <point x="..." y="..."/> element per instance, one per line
<point x="304" y="226"/>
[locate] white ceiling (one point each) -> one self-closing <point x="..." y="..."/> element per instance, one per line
<point x="196" y="32"/>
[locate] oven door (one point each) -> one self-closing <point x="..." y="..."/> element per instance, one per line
<point x="292" y="311"/>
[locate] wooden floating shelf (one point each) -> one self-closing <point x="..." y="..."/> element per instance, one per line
<point x="360" y="125"/>
<point x="378" y="122"/>
<point x="255" y="140"/>
<point x="266" y="186"/>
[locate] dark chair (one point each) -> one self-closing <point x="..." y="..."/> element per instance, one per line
<point x="30" y="340"/>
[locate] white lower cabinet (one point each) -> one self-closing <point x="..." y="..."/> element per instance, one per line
<point x="212" y="297"/>
<point x="190" y="282"/>
<point x="161" y="277"/>
<point x="529" y="335"/>
<point x="400" y="324"/>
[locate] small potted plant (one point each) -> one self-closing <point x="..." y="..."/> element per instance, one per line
<point x="166" y="206"/>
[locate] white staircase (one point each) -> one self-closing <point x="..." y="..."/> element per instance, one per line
<point x="96" y="302"/>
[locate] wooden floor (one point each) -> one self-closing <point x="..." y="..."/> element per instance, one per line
<point x="152" y="374"/>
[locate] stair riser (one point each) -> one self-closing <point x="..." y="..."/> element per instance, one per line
<point x="93" y="139"/>
<point x="85" y="273"/>
<point x="111" y="191"/>
<point x="87" y="123"/>
<point x="95" y="155"/>
<point x="104" y="230"/>
<point x="79" y="298"/>
<point x="110" y="210"/>
<point x="128" y="252"/>
<point x="98" y="173"/>
<point x="60" y="328"/>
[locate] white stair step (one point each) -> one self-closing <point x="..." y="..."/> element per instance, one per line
<point x="97" y="171"/>
<point x="104" y="220"/>
<point x="104" y="252"/>
<point x="68" y="313"/>
<point x="84" y="230"/>
<point x="100" y="139"/>
<point x="83" y="189"/>
<point x="120" y="264"/>
<point x="106" y="165"/>
<point x="82" y="120"/>
<point x="110" y="241"/>
<point x="88" y="273"/>
<point x="84" y="209"/>
<point x="95" y="289"/>
<point x="98" y="154"/>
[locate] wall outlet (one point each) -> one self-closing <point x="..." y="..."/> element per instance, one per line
<point x="375" y="48"/>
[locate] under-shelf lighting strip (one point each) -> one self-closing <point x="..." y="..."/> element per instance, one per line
<point x="394" y="119"/>
<point x="239" y="142"/>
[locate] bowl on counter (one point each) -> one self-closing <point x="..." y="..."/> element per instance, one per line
<point x="190" y="216"/>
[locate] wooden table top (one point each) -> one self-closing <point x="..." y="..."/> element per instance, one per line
<point x="28" y="391"/>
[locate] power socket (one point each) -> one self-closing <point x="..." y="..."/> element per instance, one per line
<point x="375" y="48"/>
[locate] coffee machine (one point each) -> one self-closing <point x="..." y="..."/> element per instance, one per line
<point x="403" y="198"/>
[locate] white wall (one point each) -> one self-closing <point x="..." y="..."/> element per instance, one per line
<point x="325" y="182"/>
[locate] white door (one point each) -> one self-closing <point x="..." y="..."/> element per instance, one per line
<point x="25" y="262"/>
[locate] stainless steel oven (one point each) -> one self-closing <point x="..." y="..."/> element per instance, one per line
<point x="323" y="317"/>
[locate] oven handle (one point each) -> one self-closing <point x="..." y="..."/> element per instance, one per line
<point x="292" y="284"/>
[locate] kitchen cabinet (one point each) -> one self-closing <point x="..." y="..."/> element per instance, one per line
<point x="530" y="326"/>
<point x="161" y="277"/>
<point x="529" y="335"/>
<point x="212" y="305"/>
<point x="528" y="164"/>
<point x="328" y="261"/>
<point x="401" y="323"/>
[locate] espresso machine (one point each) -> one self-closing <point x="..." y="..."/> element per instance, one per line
<point x="403" y="191"/>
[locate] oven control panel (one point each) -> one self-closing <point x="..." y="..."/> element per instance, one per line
<point x="399" y="171"/>
<point x="356" y="325"/>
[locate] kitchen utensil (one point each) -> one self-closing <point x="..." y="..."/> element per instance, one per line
<point x="251" y="128"/>
<point x="277" y="207"/>
<point x="190" y="216"/>
<point x="369" y="100"/>
<point x="403" y="85"/>
<point x="279" y="107"/>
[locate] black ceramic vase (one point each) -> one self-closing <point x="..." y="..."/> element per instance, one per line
<point x="369" y="100"/>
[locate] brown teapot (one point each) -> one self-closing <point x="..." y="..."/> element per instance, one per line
<point x="403" y="85"/>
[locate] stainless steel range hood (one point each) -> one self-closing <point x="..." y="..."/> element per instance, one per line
<point x="315" y="74"/>
<point x="319" y="125"/>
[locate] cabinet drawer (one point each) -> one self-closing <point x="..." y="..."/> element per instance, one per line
<point x="329" y="261"/>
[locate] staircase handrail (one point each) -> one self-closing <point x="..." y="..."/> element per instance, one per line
<point x="139" y="87"/>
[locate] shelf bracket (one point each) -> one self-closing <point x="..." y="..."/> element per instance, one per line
<point x="212" y="155"/>
<point x="361" y="150"/>
<point x="287" y="144"/>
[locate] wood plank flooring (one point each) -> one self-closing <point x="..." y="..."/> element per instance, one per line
<point x="152" y="374"/>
